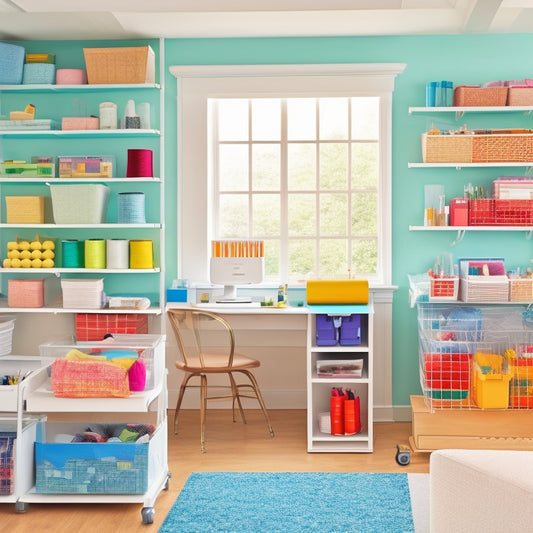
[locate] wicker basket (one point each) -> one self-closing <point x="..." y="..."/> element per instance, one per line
<point x="465" y="96"/>
<point x="11" y="64"/>
<point x="521" y="290"/>
<point x="522" y="96"/>
<point x="446" y="148"/>
<point x="134" y="64"/>
<point x="502" y="148"/>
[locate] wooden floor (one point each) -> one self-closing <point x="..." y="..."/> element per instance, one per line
<point x="230" y="447"/>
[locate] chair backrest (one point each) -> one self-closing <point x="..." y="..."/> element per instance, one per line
<point x="199" y="333"/>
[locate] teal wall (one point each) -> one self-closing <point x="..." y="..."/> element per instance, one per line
<point x="464" y="59"/>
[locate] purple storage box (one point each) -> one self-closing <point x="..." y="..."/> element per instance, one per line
<point x="11" y="63"/>
<point x="327" y="334"/>
<point x="350" y="333"/>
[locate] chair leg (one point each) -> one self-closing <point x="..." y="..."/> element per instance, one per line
<point x="235" y="394"/>
<point x="186" y="379"/>
<point x="203" y="408"/>
<point x="259" y="397"/>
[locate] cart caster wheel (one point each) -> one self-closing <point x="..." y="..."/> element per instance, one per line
<point x="403" y="455"/>
<point x="148" y="515"/>
<point x="21" y="507"/>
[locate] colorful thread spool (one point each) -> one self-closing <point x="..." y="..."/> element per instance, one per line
<point x="141" y="254"/>
<point x="117" y="253"/>
<point x="131" y="208"/>
<point x="73" y="253"/>
<point x="140" y="163"/>
<point x="95" y="253"/>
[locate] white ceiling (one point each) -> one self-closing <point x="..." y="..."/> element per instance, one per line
<point x="138" y="19"/>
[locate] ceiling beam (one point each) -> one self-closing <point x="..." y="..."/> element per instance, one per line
<point x="481" y="16"/>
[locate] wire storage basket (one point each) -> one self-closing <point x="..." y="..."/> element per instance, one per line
<point x="475" y="357"/>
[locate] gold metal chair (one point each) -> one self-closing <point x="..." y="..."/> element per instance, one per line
<point x="206" y="343"/>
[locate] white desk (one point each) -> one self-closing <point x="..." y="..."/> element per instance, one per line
<point x="283" y="339"/>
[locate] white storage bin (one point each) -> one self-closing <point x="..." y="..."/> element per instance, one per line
<point x="151" y="349"/>
<point x="79" y="204"/>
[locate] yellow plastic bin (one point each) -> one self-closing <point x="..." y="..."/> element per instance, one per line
<point x="490" y="385"/>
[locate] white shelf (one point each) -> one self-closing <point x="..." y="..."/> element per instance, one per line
<point x="526" y="229"/>
<point x="319" y="389"/>
<point x="469" y="165"/>
<point x="16" y="181"/>
<point x="95" y="226"/>
<point x="79" y="134"/>
<point x="4" y="309"/>
<point x="53" y="88"/>
<point x="471" y="109"/>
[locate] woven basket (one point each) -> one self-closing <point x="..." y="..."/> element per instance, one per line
<point x="11" y="64"/>
<point x="521" y="290"/>
<point x="446" y="148"/>
<point x="502" y="148"/>
<point x="89" y="379"/>
<point x="522" y="96"/>
<point x="464" y="96"/>
<point x="131" y="64"/>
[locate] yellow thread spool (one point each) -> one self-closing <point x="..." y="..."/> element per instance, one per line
<point x="141" y="254"/>
<point x="95" y="253"/>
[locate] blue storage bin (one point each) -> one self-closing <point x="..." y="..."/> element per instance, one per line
<point x="88" y="468"/>
<point x="350" y="333"/>
<point x="11" y="64"/>
<point x="39" y="73"/>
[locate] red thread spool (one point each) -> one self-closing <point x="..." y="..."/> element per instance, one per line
<point x="140" y="163"/>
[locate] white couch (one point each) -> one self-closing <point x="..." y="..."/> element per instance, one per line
<point x="481" y="491"/>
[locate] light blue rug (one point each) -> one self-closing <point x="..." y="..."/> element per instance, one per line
<point x="245" y="502"/>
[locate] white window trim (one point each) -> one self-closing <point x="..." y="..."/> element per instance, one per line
<point x="198" y="83"/>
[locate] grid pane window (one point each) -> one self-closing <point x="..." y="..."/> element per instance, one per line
<point x="302" y="174"/>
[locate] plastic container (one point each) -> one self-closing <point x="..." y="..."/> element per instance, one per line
<point x="11" y="63"/>
<point x="79" y="204"/>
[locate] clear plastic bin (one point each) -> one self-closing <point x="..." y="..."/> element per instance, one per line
<point x="151" y="349"/>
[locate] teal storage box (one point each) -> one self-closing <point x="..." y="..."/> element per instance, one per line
<point x="63" y="467"/>
<point x="39" y="73"/>
<point x="11" y="64"/>
<point x="177" y="294"/>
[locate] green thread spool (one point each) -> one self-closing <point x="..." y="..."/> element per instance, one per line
<point x="73" y="253"/>
<point x="95" y="256"/>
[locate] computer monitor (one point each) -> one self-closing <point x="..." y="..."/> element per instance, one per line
<point x="236" y="263"/>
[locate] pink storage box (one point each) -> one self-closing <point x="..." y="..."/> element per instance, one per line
<point x="80" y="123"/>
<point x="25" y="293"/>
<point x="71" y="76"/>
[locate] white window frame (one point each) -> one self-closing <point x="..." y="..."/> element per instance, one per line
<point x="197" y="84"/>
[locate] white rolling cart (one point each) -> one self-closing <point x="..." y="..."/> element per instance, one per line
<point x="17" y="471"/>
<point x="38" y="398"/>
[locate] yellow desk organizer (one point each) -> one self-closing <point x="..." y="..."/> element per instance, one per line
<point x="350" y="291"/>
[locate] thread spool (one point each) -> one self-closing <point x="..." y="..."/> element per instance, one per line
<point x="141" y="254"/>
<point x="144" y="114"/>
<point x="131" y="208"/>
<point x="140" y="163"/>
<point x="117" y="253"/>
<point x="95" y="253"/>
<point x="73" y="253"/>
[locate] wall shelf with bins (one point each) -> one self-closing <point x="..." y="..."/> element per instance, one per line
<point x="57" y="101"/>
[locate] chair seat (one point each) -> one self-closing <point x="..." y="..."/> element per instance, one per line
<point x="214" y="363"/>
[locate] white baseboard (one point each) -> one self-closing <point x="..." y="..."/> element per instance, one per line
<point x="287" y="399"/>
